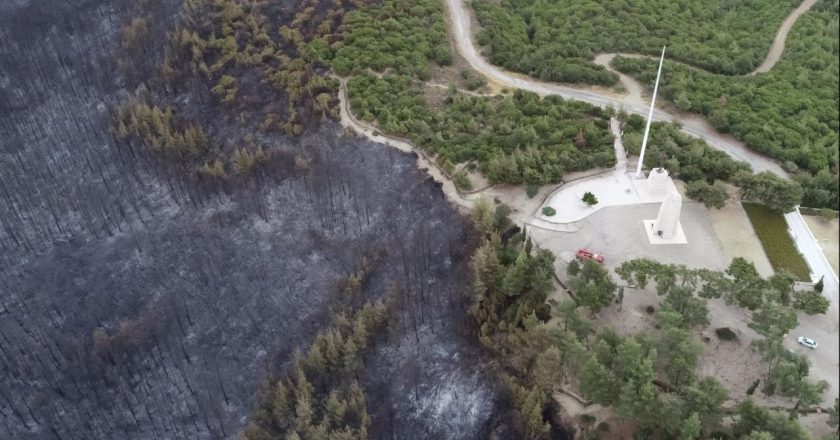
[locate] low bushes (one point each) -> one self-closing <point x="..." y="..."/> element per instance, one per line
<point x="771" y="229"/>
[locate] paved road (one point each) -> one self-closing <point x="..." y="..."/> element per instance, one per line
<point x="823" y="328"/>
<point x="692" y="124"/>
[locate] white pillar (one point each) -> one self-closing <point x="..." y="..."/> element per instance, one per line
<point x="650" y="116"/>
<point x="668" y="220"/>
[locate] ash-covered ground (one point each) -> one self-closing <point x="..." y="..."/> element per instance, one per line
<point x="138" y="303"/>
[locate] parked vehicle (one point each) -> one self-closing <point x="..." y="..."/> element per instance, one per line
<point x="808" y="342"/>
<point x="586" y="254"/>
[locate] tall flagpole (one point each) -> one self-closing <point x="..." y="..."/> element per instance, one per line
<point x="650" y="116"/>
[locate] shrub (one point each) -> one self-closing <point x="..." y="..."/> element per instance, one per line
<point x="531" y="190"/>
<point x="462" y="181"/>
<point x="604" y="427"/>
<point x="590" y="199"/>
<point x="752" y="387"/>
<point x="548" y="211"/>
<point x="811" y="302"/>
<point x="771" y="228"/>
<point x="712" y="196"/>
<point x="725" y="334"/>
<point x="650" y="310"/>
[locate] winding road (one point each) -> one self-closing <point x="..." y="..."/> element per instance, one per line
<point x="694" y="125"/>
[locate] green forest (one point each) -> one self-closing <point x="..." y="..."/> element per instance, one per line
<point x="516" y="139"/>
<point x="649" y="377"/>
<point x="397" y="36"/>
<point x="557" y="40"/>
<point x="790" y="113"/>
<point x="318" y="398"/>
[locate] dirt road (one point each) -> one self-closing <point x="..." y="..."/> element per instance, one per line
<point x="778" y="45"/>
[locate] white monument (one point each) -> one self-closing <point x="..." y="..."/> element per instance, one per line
<point x="658" y="182"/>
<point x="666" y="228"/>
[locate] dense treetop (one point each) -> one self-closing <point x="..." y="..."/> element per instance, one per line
<point x="516" y="139"/>
<point x="555" y="40"/>
<point x="790" y="113"/>
<point x="398" y="35"/>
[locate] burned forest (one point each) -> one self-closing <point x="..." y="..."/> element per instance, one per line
<point x="182" y="219"/>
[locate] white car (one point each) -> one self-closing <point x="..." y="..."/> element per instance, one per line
<point x="808" y="342"/>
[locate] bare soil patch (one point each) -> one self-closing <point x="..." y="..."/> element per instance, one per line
<point x="631" y="317"/>
<point x="737" y="237"/>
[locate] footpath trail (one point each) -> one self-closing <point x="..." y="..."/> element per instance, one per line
<point x="423" y="161"/>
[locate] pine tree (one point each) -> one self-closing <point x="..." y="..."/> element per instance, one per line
<point x="315" y="359"/>
<point x="532" y="413"/>
<point x="336" y="409"/>
<point x="332" y="349"/>
<point x="598" y="383"/>
<point x="580" y="139"/>
<point x="548" y="369"/>
<point x="281" y="406"/>
<point x="691" y="428"/>
<point x="351" y="351"/>
<point x="516" y="276"/>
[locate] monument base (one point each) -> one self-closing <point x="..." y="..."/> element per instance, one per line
<point x="654" y="238"/>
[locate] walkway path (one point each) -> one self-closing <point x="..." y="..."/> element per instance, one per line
<point x="620" y="154"/>
<point x="423" y="161"/>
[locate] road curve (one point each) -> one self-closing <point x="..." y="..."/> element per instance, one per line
<point x="778" y="45"/>
<point x="692" y="124"/>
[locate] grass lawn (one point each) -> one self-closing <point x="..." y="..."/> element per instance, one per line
<point x="771" y="228"/>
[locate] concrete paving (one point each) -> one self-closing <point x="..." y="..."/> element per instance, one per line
<point x="617" y="189"/>
<point x="610" y="190"/>
<point x="618" y="233"/>
<point x="653" y="238"/>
